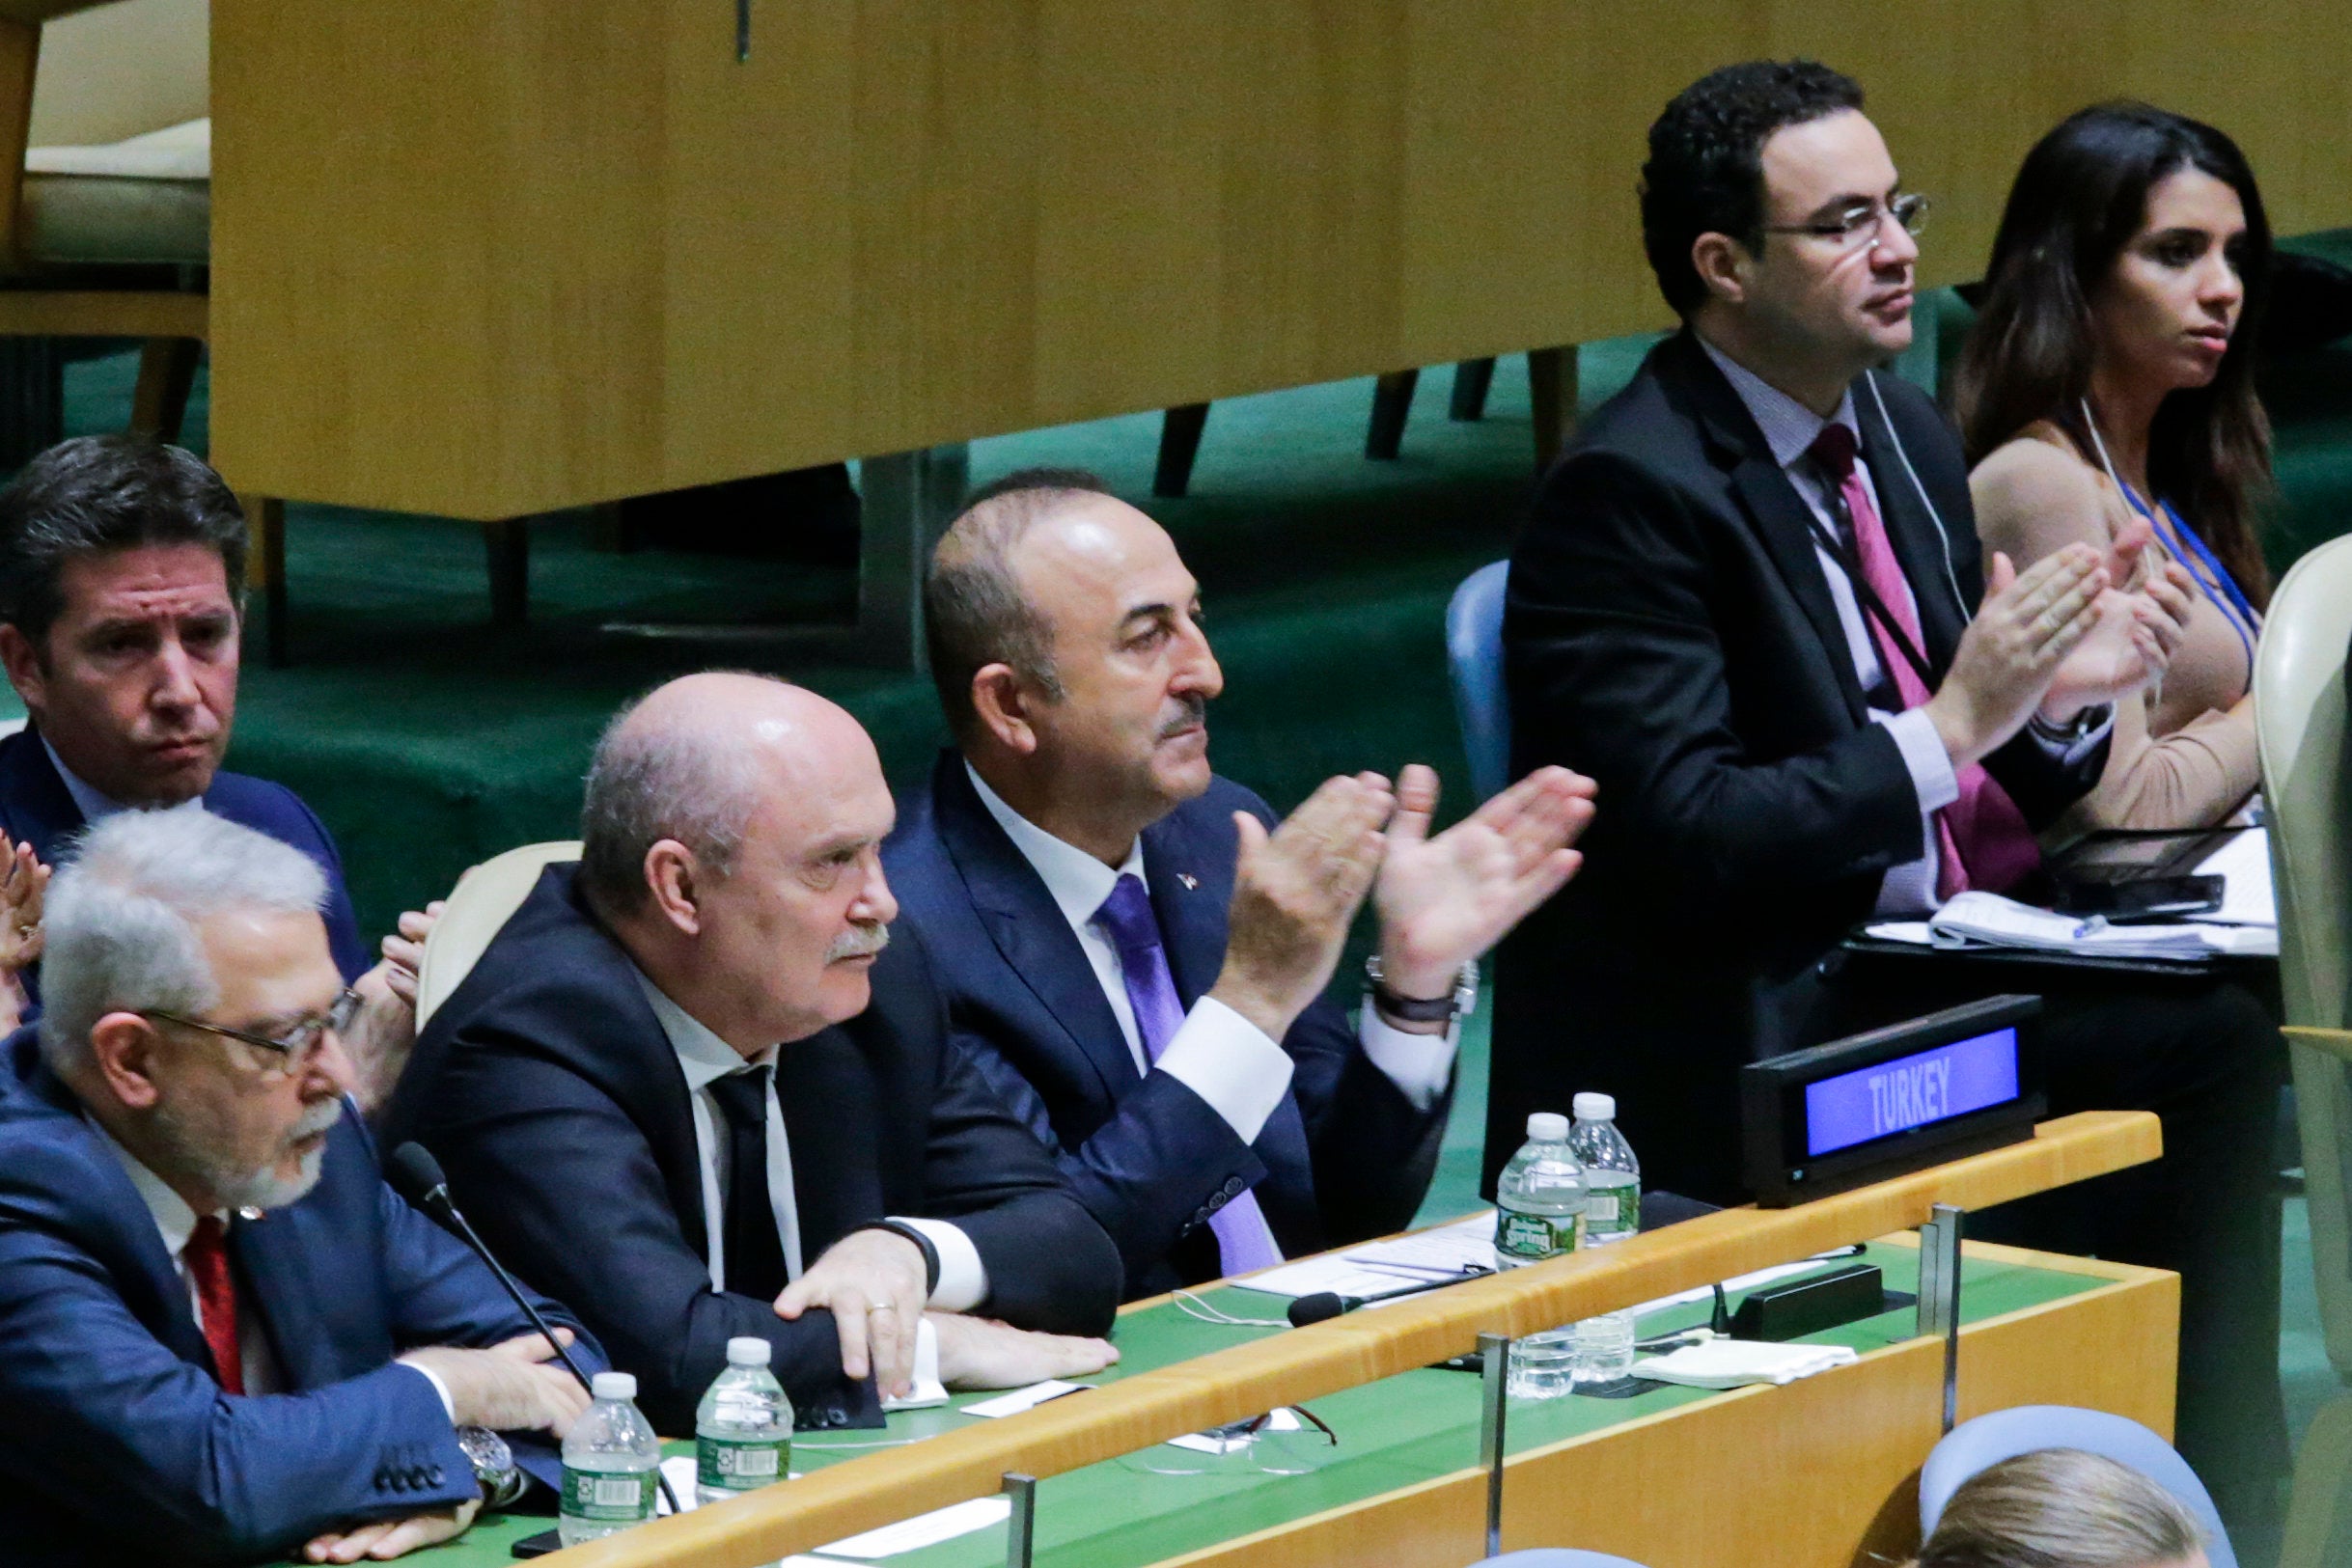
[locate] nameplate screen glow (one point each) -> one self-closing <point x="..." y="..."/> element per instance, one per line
<point x="1910" y="1091"/>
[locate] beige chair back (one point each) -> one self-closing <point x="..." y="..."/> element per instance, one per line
<point x="2299" y="721"/>
<point x="109" y="72"/>
<point x="484" y="899"/>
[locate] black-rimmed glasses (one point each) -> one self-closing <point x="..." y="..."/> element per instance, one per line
<point x="293" y="1049"/>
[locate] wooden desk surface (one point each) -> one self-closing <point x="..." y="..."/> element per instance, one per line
<point x="489" y="259"/>
<point x="1664" y="1478"/>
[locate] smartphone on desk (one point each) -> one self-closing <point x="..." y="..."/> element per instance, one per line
<point x="2147" y="898"/>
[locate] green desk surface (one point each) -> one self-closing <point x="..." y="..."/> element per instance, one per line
<point x="1392" y="1433"/>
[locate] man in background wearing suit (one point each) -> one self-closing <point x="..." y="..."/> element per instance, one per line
<point x="226" y="1338"/>
<point x="1751" y="602"/>
<point x="695" y="1087"/>
<point x="122" y="578"/>
<point x="1137" y="951"/>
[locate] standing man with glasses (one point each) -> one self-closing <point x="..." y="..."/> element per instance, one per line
<point x="1752" y="605"/>
<point x="227" y="1339"/>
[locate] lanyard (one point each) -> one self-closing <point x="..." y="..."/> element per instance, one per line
<point x="2205" y="566"/>
<point x="1872" y="606"/>
<point x="2190" y="550"/>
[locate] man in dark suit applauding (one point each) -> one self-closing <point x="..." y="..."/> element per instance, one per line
<point x="225" y="1338"/>
<point x="1137" y="951"/>
<point x="1752" y="603"/>
<point x="122" y="585"/>
<point x="694" y="1086"/>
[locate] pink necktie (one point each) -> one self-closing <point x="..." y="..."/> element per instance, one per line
<point x="1983" y="838"/>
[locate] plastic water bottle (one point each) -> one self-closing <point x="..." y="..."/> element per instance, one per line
<point x="612" y="1464"/>
<point x="743" y="1427"/>
<point x="1540" y="1213"/>
<point x="1613" y="1211"/>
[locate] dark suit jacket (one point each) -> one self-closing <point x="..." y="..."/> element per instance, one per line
<point x="36" y="808"/>
<point x="1670" y="631"/>
<point x="555" y="1103"/>
<point x="1344" y="1156"/>
<point x="116" y="1443"/>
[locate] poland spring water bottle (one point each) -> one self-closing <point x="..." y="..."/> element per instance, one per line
<point x="1539" y="1210"/>
<point x="612" y="1464"/>
<point x="743" y="1427"/>
<point x="1613" y="1211"/>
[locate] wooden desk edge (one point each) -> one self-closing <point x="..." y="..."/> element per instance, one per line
<point x="848" y="1498"/>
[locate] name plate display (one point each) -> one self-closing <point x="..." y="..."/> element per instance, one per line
<point x="1897" y="1099"/>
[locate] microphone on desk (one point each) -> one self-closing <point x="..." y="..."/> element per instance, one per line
<point x="416" y="1175"/>
<point x="1325" y="1304"/>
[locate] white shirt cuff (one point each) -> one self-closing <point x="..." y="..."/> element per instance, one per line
<point x="449" y="1406"/>
<point x="963" y="1278"/>
<point x="1419" y="1065"/>
<point x="1923" y="756"/>
<point x="1228" y="1060"/>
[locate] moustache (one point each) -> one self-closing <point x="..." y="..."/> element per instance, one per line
<point x="319" y="1119"/>
<point x="1192" y="709"/>
<point x="859" y="942"/>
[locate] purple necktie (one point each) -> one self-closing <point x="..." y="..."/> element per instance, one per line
<point x="1243" y="1240"/>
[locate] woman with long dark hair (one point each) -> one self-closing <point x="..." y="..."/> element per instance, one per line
<point x="2107" y="390"/>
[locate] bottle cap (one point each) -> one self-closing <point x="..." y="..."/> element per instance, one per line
<point x="748" y="1350"/>
<point x="1547" y="1127"/>
<point x="1596" y="1107"/>
<point x="614" y="1385"/>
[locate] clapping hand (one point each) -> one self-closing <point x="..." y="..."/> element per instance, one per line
<point x="385" y="1030"/>
<point x="1296" y="890"/>
<point x="1443" y="901"/>
<point x="2141" y="626"/>
<point x="23" y="883"/>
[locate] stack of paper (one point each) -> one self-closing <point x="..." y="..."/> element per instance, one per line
<point x="1461" y="1251"/>
<point x="1986" y="919"/>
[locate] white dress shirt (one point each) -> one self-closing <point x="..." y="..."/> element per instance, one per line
<point x="703" y="1058"/>
<point x="1217" y="1054"/>
<point x="95" y="806"/>
<point x="1790" y="429"/>
<point x="175" y="1222"/>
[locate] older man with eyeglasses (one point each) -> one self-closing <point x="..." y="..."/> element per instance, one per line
<point x="226" y="1338"/>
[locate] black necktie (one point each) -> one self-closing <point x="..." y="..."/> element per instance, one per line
<point x="755" y="1254"/>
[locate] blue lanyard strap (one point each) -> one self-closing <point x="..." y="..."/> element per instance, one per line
<point x="2215" y="578"/>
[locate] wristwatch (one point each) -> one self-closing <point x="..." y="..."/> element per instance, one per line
<point x="2081" y="727"/>
<point x="502" y="1479"/>
<point x="1461" y="1001"/>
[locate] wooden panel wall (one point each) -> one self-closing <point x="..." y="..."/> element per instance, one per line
<point x="489" y="257"/>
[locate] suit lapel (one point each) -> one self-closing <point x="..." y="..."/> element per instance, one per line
<point x="1192" y="888"/>
<point x="1028" y="927"/>
<point x="1778" y="513"/>
<point x="827" y="1098"/>
<point x="35" y="805"/>
<point x="1918" y="543"/>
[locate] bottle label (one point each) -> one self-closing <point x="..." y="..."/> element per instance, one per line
<point x="1613" y="1208"/>
<point x="1534" y="1237"/>
<point x="608" y="1496"/>
<point x="740" y="1464"/>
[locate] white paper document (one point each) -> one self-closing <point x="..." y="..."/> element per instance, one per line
<point x="1444" y="1254"/>
<point x="2243" y="863"/>
<point x="1986" y="919"/>
<point x="1021" y="1399"/>
<point x="923" y="1529"/>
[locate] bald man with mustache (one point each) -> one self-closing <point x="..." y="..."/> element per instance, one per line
<point x="694" y="1086"/>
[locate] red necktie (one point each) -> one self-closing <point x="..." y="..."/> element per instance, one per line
<point x="1983" y="838"/>
<point x="206" y="1256"/>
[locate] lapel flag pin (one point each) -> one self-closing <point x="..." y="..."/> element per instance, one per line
<point x="1190" y="882"/>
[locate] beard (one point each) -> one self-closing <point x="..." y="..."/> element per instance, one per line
<point x="189" y="1146"/>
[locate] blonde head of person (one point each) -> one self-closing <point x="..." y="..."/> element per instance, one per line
<point x="2062" y="1508"/>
